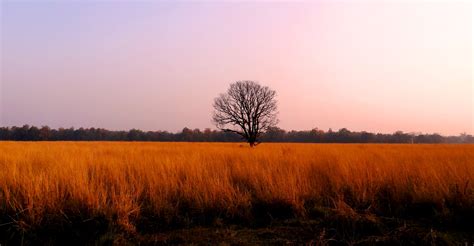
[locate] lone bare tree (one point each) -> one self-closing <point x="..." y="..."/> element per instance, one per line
<point x="248" y="108"/>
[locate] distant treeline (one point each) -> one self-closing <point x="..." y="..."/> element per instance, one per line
<point x="275" y="134"/>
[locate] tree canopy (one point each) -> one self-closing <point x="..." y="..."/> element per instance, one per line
<point x="273" y="134"/>
<point x="247" y="109"/>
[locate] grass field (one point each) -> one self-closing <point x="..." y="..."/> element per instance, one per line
<point x="101" y="192"/>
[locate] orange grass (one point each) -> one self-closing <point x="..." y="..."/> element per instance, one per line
<point x="124" y="182"/>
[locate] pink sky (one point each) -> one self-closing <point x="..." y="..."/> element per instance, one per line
<point x="365" y="65"/>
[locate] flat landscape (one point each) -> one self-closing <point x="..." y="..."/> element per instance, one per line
<point x="209" y="193"/>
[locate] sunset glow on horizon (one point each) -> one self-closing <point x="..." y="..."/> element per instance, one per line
<point x="362" y="65"/>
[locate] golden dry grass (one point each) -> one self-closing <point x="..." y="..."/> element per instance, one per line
<point x="126" y="182"/>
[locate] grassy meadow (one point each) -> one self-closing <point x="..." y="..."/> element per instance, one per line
<point x="175" y="193"/>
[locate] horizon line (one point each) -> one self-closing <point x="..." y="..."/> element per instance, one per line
<point x="414" y="133"/>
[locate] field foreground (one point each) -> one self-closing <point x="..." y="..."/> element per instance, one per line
<point x="178" y="193"/>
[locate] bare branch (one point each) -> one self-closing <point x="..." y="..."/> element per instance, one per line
<point x="247" y="106"/>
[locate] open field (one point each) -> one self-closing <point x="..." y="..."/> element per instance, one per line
<point x="102" y="192"/>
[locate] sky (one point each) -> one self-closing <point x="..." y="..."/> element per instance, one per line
<point x="377" y="66"/>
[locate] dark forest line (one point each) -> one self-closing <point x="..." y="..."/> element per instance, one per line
<point x="274" y="134"/>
